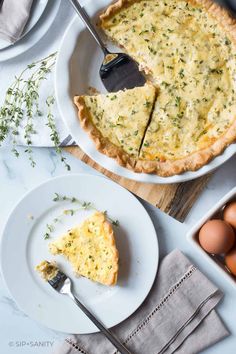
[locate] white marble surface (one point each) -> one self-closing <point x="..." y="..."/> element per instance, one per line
<point x="20" y="334"/>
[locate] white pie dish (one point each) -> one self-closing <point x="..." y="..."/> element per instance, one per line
<point x="77" y="68"/>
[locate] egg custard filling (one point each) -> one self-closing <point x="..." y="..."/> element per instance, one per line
<point x="47" y="270"/>
<point x="91" y="250"/>
<point x="188" y="49"/>
<point x="117" y="121"/>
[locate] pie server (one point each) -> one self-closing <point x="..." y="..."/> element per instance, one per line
<point x="63" y="284"/>
<point x="118" y="71"/>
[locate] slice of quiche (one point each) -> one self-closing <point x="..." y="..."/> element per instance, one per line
<point x="90" y="248"/>
<point x="117" y="121"/>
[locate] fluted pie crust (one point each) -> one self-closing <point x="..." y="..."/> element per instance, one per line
<point x="103" y="145"/>
<point x="210" y="142"/>
<point x="119" y="104"/>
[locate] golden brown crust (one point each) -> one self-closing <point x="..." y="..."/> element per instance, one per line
<point x="220" y="13"/>
<point x="102" y="144"/>
<point x="190" y="163"/>
<point x="114" y="8"/>
<point x="200" y="158"/>
<point x="165" y="169"/>
<point x="113" y="275"/>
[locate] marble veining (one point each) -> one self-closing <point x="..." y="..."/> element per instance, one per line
<point x="17" y="177"/>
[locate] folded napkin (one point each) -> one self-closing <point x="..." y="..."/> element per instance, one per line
<point x="177" y="316"/>
<point x="14" y="15"/>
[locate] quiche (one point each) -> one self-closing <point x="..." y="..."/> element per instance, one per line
<point x="117" y="121"/>
<point x="90" y="248"/>
<point x="47" y="270"/>
<point x="188" y="50"/>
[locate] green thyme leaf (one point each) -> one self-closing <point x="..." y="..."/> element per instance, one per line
<point x="21" y="107"/>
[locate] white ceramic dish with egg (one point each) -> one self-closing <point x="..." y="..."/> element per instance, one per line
<point x="192" y="235"/>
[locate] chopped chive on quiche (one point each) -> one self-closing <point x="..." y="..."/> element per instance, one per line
<point x="188" y="48"/>
<point x="117" y="121"/>
<point x="90" y="248"/>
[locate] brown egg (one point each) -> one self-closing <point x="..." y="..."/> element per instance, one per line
<point x="216" y="236"/>
<point x="229" y="214"/>
<point x="230" y="260"/>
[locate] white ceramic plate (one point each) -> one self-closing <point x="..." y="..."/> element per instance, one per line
<point x="37" y="10"/>
<point x="35" y="34"/>
<point x="23" y="247"/>
<point x="77" y="68"/>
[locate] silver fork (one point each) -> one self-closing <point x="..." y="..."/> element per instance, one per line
<point x="63" y="284"/>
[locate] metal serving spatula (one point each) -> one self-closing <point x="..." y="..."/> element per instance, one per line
<point x="118" y="71"/>
<point x="63" y="284"/>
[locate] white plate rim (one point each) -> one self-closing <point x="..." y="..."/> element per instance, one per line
<point x="38" y="186"/>
<point x="67" y="111"/>
<point x="35" y="34"/>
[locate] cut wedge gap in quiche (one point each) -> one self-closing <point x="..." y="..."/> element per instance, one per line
<point x="117" y="122"/>
<point x="189" y="49"/>
<point x="91" y="250"/>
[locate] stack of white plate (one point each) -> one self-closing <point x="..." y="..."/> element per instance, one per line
<point x="42" y="15"/>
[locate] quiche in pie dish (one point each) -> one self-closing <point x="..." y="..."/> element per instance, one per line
<point x="90" y="248"/>
<point x="188" y="48"/>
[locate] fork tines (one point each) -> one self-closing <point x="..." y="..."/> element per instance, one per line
<point x="58" y="280"/>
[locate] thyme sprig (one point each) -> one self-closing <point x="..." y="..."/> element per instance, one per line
<point x="83" y="205"/>
<point x="21" y="107"/>
<point x="54" y="134"/>
<point x="50" y="228"/>
<point x="64" y="198"/>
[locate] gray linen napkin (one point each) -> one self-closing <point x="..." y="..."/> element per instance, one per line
<point x="177" y="316"/>
<point x="13" y="17"/>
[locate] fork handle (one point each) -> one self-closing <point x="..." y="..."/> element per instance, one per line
<point x="83" y="15"/>
<point x="119" y="346"/>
